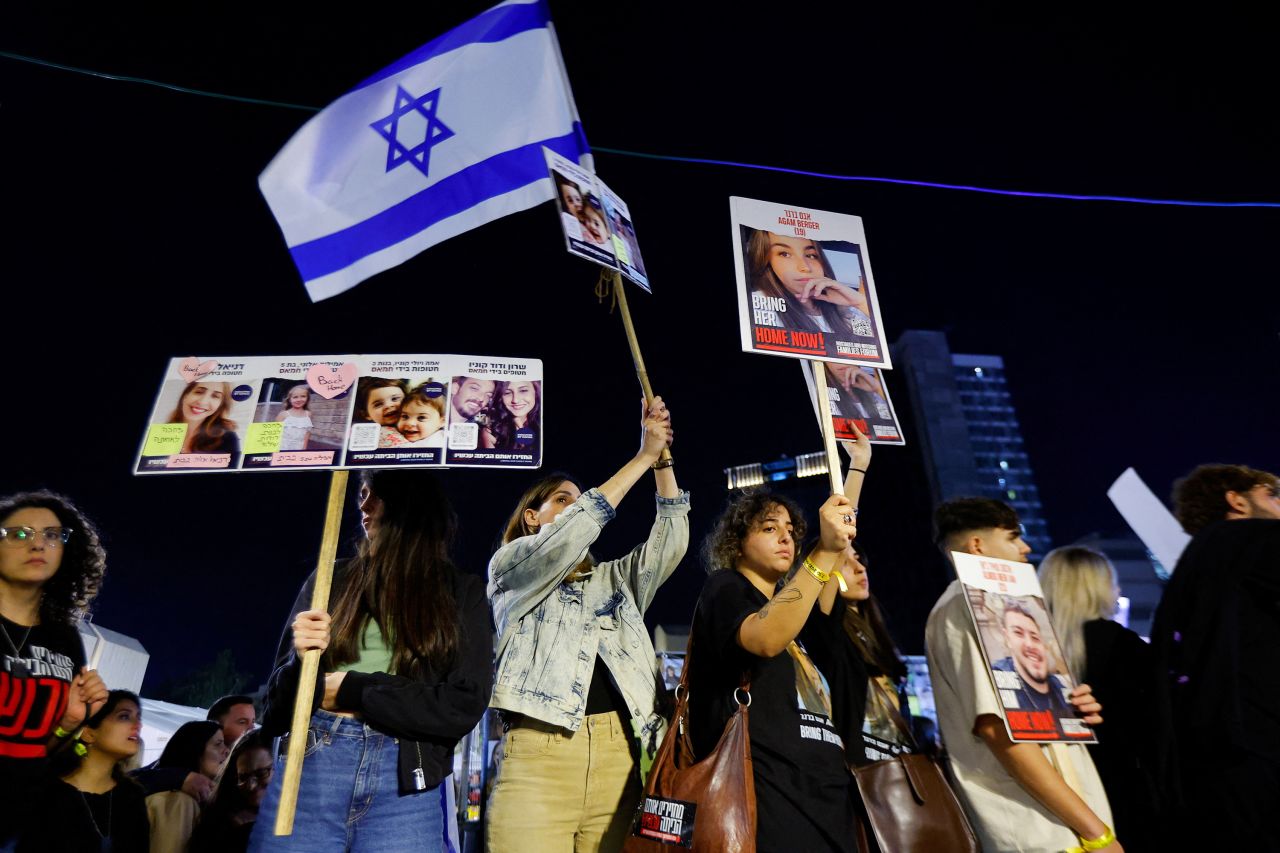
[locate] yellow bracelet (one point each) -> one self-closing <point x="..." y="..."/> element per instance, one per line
<point x="818" y="574"/>
<point x="1106" y="839"/>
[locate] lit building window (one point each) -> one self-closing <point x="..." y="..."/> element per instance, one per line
<point x="1004" y="466"/>
<point x="977" y="371"/>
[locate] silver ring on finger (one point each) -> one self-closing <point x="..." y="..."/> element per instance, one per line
<point x="848" y="519"/>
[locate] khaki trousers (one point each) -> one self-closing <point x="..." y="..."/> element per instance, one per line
<point x="563" y="792"/>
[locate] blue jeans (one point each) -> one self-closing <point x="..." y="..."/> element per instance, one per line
<point x="349" y="799"/>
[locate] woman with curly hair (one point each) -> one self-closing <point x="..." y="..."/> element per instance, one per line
<point x="51" y="565"/>
<point x="746" y="628"/>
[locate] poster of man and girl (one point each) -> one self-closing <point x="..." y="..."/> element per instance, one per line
<point x="345" y="412"/>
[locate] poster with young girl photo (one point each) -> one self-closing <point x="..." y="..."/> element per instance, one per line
<point x="805" y="288"/>
<point x="399" y="413"/>
<point x="859" y="400"/>
<point x="582" y="216"/>
<point x="200" y="418"/>
<point x="1021" y="650"/>
<point x="294" y="424"/>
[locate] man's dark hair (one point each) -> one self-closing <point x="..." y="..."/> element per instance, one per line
<point x="223" y="706"/>
<point x="1200" y="498"/>
<point x="961" y="514"/>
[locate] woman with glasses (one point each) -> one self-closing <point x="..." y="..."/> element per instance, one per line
<point x="228" y="820"/>
<point x="51" y="566"/>
<point x="405" y="674"/>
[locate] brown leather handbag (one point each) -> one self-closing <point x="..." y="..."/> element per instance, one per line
<point x="707" y="806"/>
<point x="909" y="804"/>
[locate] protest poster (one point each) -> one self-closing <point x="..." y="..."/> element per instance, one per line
<point x="201" y="416"/>
<point x="859" y="397"/>
<point x="495" y="413"/>
<point x="805" y="288"/>
<point x="582" y="216"/>
<point x="349" y="411"/>
<point x="294" y="424"/>
<point x="596" y="221"/>
<point x="622" y="232"/>
<point x="1021" y="650"/>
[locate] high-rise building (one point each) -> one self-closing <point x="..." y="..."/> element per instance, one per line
<point x="971" y="442"/>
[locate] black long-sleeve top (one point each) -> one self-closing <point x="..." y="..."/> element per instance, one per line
<point x="429" y="713"/>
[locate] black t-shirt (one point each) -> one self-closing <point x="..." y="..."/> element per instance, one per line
<point x="805" y="795"/>
<point x="34" y="684"/>
<point x="66" y="820"/>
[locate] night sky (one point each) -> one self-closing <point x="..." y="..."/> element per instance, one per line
<point x="1132" y="334"/>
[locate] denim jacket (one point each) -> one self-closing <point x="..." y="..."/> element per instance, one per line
<point x="551" y="632"/>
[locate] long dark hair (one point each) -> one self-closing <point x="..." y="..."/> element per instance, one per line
<point x="66" y="596"/>
<point x="758" y="252"/>
<point x="186" y="747"/>
<point x="227" y="796"/>
<point x="503" y="424"/>
<point x="865" y="626"/>
<point x="403" y="579"/>
<point x="65" y="761"/>
<point x="213" y="429"/>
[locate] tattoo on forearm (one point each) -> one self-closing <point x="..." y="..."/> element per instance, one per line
<point x="787" y="596"/>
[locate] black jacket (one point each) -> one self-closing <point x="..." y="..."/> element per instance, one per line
<point x="428" y="715"/>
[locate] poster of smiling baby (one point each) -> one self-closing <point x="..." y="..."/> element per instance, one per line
<point x="805" y="288"/>
<point x="346" y="411"/>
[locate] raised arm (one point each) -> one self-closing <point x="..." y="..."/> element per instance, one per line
<point x="767" y="632"/>
<point x="859" y="461"/>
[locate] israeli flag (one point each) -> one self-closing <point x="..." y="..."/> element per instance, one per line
<point x="443" y="141"/>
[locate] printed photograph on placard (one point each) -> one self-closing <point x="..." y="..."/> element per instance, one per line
<point x="623" y="234"/>
<point x="1021" y="650"/>
<point x="400" y="412"/>
<point x="859" y="398"/>
<point x="201" y="416"/>
<point x="495" y="414"/>
<point x="582" y="215"/>
<point x="301" y="416"/>
<point x="805" y="288"/>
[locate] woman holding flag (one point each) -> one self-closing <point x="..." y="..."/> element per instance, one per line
<point x="577" y="675"/>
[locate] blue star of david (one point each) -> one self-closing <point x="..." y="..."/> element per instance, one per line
<point x="420" y="154"/>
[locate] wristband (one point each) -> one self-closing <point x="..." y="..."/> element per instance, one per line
<point x="818" y="574"/>
<point x="81" y="749"/>
<point x="663" y="463"/>
<point x="859" y="470"/>
<point x="1105" y="840"/>
<point x="61" y="733"/>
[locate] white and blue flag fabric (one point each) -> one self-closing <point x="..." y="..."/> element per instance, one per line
<point x="443" y="141"/>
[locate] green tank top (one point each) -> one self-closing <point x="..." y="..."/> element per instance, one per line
<point x="375" y="654"/>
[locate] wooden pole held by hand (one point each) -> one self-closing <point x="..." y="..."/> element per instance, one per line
<point x="311" y="658"/>
<point x="643" y="375"/>
<point x="828" y="433"/>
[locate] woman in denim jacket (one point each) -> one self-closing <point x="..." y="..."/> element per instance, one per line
<point x="577" y="674"/>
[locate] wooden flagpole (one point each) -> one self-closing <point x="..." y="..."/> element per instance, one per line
<point x="828" y="433"/>
<point x="620" y="292"/>
<point x="311" y="659"/>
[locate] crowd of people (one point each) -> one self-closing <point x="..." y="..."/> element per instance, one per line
<point x="414" y="650"/>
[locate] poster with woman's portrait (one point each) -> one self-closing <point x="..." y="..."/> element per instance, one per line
<point x="859" y="401"/>
<point x="805" y="288"/>
<point x="1021" y="650"/>
<point x="352" y="411"/>
<point x="201" y="416"/>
